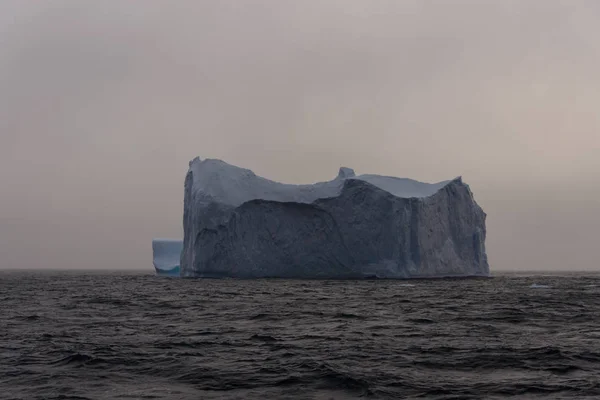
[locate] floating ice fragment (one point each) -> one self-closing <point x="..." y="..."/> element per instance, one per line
<point x="536" y="286"/>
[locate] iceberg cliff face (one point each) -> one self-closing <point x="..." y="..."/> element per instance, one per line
<point x="237" y="224"/>
<point x="166" y="255"/>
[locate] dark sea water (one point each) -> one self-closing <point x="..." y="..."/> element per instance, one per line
<point x="82" y="335"/>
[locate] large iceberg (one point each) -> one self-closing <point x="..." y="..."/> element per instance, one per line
<point x="237" y="224"/>
<point x="166" y="254"/>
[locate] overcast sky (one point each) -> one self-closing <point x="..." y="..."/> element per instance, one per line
<point x="102" y="105"/>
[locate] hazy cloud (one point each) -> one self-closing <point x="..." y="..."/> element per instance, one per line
<point x="102" y="105"/>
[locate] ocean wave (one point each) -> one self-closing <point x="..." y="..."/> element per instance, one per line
<point x="128" y="336"/>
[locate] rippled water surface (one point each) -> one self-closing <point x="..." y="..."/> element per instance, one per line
<point x="82" y="335"/>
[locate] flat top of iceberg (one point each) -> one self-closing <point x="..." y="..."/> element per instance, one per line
<point x="233" y="185"/>
<point x="403" y="187"/>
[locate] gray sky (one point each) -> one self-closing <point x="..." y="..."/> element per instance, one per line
<point x="102" y="105"/>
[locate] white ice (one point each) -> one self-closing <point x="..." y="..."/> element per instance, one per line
<point x="536" y="286"/>
<point x="234" y="185"/>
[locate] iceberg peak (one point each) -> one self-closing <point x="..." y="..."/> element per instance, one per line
<point x="346" y="173"/>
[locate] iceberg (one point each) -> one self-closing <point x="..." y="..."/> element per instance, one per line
<point x="237" y="224"/>
<point x="166" y="255"/>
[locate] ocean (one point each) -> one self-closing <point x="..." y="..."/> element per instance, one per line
<point x="132" y="335"/>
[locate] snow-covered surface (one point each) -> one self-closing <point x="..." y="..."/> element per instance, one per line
<point x="232" y="185"/>
<point x="403" y="187"/>
<point x="166" y="253"/>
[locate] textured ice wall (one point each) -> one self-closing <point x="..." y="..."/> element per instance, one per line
<point x="241" y="225"/>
